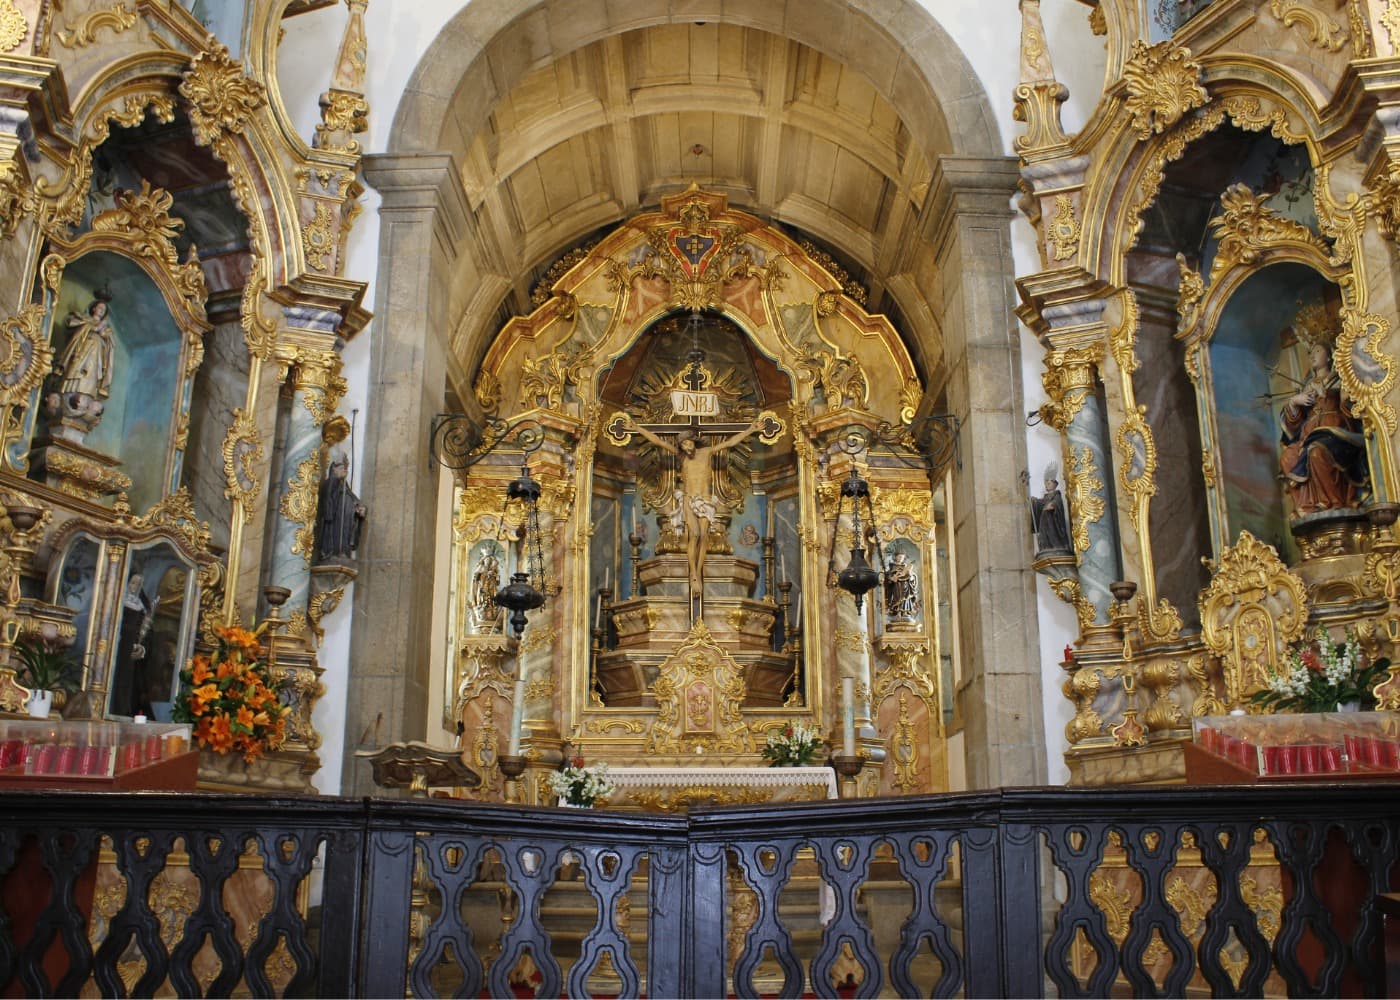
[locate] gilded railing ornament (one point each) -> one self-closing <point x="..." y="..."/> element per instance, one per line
<point x="221" y="96"/>
<point x="1162" y="84"/>
<point x="1085" y="490"/>
<point x="1247" y="226"/>
<point x="119" y="18"/>
<point x="1252" y="610"/>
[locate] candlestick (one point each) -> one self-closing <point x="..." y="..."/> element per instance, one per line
<point x="848" y="722"/>
<point x="517" y="718"/>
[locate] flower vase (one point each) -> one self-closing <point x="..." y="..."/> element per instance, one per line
<point x="39" y="704"/>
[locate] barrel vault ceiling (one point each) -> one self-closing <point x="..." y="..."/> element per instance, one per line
<point x="789" y="134"/>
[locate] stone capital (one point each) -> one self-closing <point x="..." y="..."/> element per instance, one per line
<point x="419" y="183"/>
<point x="966" y="187"/>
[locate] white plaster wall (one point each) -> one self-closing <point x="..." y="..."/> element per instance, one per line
<point x="400" y="32"/>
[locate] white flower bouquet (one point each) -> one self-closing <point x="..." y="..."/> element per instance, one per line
<point x="577" y="785"/>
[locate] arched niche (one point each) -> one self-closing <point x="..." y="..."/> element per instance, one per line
<point x="1259" y="356"/>
<point x="143" y="376"/>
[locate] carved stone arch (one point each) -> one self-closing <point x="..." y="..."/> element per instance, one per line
<point x="479" y="32"/>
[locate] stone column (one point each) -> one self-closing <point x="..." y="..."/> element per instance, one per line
<point x="1075" y="411"/>
<point x="316" y="388"/>
<point x="968" y="221"/>
<point x="422" y="215"/>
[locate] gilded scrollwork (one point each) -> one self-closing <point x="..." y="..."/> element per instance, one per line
<point x="16" y="197"/>
<point x="1064" y="230"/>
<point x="176" y="513"/>
<point x="1367" y="372"/>
<point x="317" y="376"/>
<point x="1085" y="496"/>
<point x="1206" y="702"/>
<point x="1390" y="20"/>
<point x="13" y="26"/>
<point x="318" y="237"/>
<point x="298" y="505"/>
<point x="1137" y="473"/>
<point x="544" y="380"/>
<point x="1321" y="30"/>
<point x="242" y="451"/>
<point x="1068" y="379"/>
<point x="1247" y="226"/>
<point x="221" y="96"/>
<point x="1162" y="83"/>
<point x="144" y="221"/>
<point x="1082" y="688"/>
<point x="699" y="691"/>
<point x="488" y="391"/>
<point x="1067" y="589"/>
<point x="1253" y="608"/>
<point x="1188" y="296"/>
<point x="904" y="750"/>
<point x="259" y="332"/>
<point x="119" y="18"/>
<point x="319" y="606"/>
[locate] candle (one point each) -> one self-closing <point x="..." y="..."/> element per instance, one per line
<point x="598" y="613"/>
<point x="782" y="566"/>
<point x="634" y="520"/>
<point x="768" y="504"/>
<point x="517" y="717"/>
<point x="848" y="708"/>
<point x="607" y="576"/>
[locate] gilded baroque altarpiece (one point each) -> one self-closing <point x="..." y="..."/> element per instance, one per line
<point x="173" y="310"/>
<point x="700" y="325"/>
<point x="1216" y="297"/>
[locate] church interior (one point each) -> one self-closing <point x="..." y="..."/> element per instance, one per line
<point x="432" y="401"/>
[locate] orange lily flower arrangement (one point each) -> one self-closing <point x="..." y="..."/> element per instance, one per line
<point x="231" y="698"/>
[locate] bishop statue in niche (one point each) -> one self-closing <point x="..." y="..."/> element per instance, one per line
<point x="1323" y="448"/>
<point x="82" y="373"/>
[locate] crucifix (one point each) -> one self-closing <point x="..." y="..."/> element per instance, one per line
<point x="698" y="504"/>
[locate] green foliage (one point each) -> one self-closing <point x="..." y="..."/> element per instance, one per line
<point x="45" y="667"/>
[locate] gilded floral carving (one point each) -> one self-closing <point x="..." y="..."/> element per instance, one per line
<point x="13" y="26"/>
<point x="1162" y="83"/>
<point x="1064" y="230"/>
<point x="1321" y="30"/>
<point x="1247" y="226"/>
<point x="1085" y="496"/>
<point x="221" y="97"/>
<point x="298" y="505"/>
<point x="1367" y="372"/>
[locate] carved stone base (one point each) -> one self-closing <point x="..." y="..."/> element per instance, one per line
<point x="1154" y="764"/>
<point x="280" y="771"/>
<point x="79" y="471"/>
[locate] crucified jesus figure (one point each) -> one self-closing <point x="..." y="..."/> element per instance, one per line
<point x="698" y="503"/>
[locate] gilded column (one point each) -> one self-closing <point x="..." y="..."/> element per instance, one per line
<point x="1077" y="413"/>
<point x="316" y="387"/>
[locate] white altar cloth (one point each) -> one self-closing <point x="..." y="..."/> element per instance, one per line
<point x="674" y="789"/>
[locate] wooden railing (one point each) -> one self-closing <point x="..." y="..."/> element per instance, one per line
<point x="1236" y="891"/>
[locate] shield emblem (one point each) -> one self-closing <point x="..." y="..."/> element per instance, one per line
<point x="694" y="249"/>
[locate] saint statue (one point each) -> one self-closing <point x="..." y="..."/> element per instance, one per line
<point x="1324" y="450"/>
<point x="695" y="500"/>
<point x="83" y="370"/>
<point x="486" y="580"/>
<point x="901" y="589"/>
<point x="128" y="683"/>
<point x="340" y="515"/>
<point x="1048" y="518"/>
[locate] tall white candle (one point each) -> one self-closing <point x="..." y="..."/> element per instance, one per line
<point x="848" y="709"/>
<point x="768" y="503"/>
<point x="607" y="576"/>
<point x="517" y="718"/>
<point x="598" y="612"/>
<point x="634" y="519"/>
<point x="782" y="566"/>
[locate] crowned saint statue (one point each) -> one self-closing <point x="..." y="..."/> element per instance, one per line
<point x="82" y="372"/>
<point x="1323" y="448"/>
